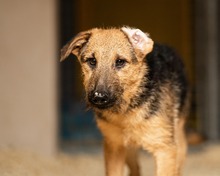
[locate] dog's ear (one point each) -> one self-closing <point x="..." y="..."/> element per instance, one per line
<point x="75" y="45"/>
<point x="141" y="41"/>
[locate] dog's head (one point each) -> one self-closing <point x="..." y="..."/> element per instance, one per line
<point x="112" y="63"/>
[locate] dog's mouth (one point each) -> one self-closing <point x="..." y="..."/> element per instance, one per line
<point x="102" y="106"/>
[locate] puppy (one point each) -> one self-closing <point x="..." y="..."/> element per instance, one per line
<point x="138" y="91"/>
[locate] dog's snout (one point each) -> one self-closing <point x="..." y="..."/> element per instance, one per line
<point x="100" y="99"/>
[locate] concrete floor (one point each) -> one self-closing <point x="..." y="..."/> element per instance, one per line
<point x="203" y="160"/>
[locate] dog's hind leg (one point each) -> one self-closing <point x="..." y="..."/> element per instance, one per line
<point x="132" y="161"/>
<point x="181" y="143"/>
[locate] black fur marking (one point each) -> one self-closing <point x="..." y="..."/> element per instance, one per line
<point x="164" y="66"/>
<point x="99" y="115"/>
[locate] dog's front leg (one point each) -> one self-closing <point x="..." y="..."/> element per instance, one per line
<point x="132" y="161"/>
<point x="115" y="155"/>
<point x="166" y="162"/>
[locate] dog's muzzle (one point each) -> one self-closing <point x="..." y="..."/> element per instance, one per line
<point x="101" y="99"/>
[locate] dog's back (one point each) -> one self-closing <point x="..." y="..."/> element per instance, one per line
<point x="165" y="67"/>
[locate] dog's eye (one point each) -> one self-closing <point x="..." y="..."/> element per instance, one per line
<point x="119" y="63"/>
<point x="92" y="62"/>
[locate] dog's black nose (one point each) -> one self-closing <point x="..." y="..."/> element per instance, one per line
<point x="100" y="99"/>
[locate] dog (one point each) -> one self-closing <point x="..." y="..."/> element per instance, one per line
<point x="139" y="92"/>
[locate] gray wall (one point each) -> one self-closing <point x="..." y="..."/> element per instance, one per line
<point x="28" y="90"/>
<point x="207" y="67"/>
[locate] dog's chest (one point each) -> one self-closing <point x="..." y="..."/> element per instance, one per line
<point x="136" y="130"/>
<point x="126" y="130"/>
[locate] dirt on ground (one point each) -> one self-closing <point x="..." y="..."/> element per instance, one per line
<point x="203" y="160"/>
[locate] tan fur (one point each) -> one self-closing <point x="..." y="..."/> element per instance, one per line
<point x="126" y="130"/>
